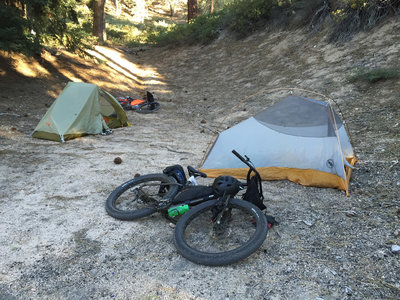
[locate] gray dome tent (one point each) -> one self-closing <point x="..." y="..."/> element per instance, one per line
<point x="299" y="139"/>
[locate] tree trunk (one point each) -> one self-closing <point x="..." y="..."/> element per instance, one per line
<point x="117" y="7"/>
<point x="141" y="11"/>
<point x="192" y="9"/>
<point x="171" y="8"/>
<point x="99" y="21"/>
<point x="212" y="6"/>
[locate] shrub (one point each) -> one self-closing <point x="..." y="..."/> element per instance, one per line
<point x="351" y="16"/>
<point x="245" y="17"/>
<point x="374" y="75"/>
<point x="14" y="33"/>
<point x="27" y="25"/>
<point x="203" y="30"/>
<point x="242" y="17"/>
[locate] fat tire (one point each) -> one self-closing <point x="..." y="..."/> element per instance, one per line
<point x="226" y="257"/>
<point x="144" y="108"/>
<point x="111" y="202"/>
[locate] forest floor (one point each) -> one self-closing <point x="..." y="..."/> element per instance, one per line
<point x="57" y="242"/>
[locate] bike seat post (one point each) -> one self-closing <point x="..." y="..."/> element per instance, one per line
<point x="192" y="180"/>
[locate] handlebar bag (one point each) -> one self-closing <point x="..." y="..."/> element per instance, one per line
<point x="253" y="193"/>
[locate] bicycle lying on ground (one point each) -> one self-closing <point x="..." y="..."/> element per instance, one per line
<point x="214" y="228"/>
<point x="141" y="106"/>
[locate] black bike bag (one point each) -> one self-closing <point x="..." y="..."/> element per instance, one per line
<point x="195" y="192"/>
<point x="254" y="192"/>
<point x="177" y="172"/>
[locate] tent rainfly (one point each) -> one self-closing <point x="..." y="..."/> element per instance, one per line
<point x="80" y="109"/>
<point x="299" y="139"/>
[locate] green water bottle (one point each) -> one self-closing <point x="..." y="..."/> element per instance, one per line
<point x="178" y="210"/>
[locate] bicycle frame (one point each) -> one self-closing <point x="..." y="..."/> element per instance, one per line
<point x="192" y="184"/>
<point x="252" y="168"/>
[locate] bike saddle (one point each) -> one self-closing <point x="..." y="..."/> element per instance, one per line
<point x="149" y="97"/>
<point x="193" y="172"/>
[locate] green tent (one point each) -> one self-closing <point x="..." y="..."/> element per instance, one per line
<point x="80" y="109"/>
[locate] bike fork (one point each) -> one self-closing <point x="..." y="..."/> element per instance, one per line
<point x="220" y="207"/>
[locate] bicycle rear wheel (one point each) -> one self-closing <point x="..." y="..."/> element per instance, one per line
<point x="147" y="108"/>
<point x="241" y="232"/>
<point x="141" y="196"/>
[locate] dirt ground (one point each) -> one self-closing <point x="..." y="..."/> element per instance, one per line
<point x="57" y="242"/>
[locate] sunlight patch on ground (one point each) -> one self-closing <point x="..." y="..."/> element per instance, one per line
<point x="118" y="61"/>
<point x="67" y="72"/>
<point x="154" y="82"/>
<point x="28" y="67"/>
<point x="10" y="132"/>
<point x="53" y="93"/>
<point x="116" y="66"/>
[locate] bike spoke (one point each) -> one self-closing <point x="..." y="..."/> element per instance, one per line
<point x="145" y="195"/>
<point x="234" y="230"/>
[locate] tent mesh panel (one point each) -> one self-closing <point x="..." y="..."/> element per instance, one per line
<point x="300" y="117"/>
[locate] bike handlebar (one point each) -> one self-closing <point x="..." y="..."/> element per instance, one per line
<point x="240" y="157"/>
<point x="245" y="160"/>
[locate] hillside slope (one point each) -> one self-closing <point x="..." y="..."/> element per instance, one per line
<point x="58" y="242"/>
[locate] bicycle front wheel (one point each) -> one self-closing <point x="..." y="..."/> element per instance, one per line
<point x="141" y="196"/>
<point x="240" y="232"/>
